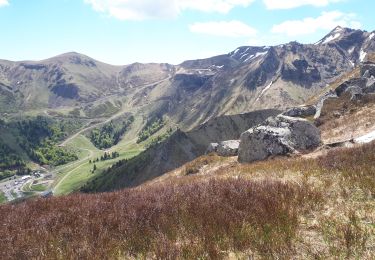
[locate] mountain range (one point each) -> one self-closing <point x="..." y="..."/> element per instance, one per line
<point x="191" y="93"/>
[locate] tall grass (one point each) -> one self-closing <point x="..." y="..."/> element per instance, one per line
<point x="208" y="218"/>
<point x="355" y="165"/>
<point x="186" y="221"/>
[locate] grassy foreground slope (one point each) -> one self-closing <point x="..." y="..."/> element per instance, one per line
<point x="301" y="207"/>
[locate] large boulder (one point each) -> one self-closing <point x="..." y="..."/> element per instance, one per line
<point x="302" y="111"/>
<point x="280" y="135"/>
<point x="212" y="148"/>
<point x="228" y="148"/>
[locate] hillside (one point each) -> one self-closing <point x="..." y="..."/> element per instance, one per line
<point x="179" y="148"/>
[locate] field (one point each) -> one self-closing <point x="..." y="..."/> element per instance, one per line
<point x="39" y="187"/>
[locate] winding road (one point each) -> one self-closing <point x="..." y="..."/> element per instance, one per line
<point x="80" y="162"/>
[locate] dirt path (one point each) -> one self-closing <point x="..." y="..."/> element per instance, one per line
<point x="80" y="162"/>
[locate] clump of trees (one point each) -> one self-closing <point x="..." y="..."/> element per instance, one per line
<point x="9" y="161"/>
<point x="110" y="134"/>
<point x="150" y="128"/>
<point x="160" y="138"/>
<point x="106" y="156"/>
<point x="39" y="137"/>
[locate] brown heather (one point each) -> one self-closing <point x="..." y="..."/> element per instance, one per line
<point x="283" y="208"/>
<point x="195" y="220"/>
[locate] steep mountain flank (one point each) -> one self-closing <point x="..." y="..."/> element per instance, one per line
<point x="178" y="149"/>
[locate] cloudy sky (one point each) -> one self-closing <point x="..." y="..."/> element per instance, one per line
<point x="126" y="31"/>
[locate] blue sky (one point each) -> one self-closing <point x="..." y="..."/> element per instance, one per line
<point x="126" y="31"/>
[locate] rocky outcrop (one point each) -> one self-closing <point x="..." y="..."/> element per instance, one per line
<point x="66" y="90"/>
<point x="303" y="111"/>
<point x="278" y="136"/>
<point x="355" y="92"/>
<point x="228" y="148"/>
<point x="357" y="87"/>
<point x="359" y="82"/>
<point x="227" y="127"/>
<point x="320" y="104"/>
<point x="368" y="69"/>
<point x="301" y="72"/>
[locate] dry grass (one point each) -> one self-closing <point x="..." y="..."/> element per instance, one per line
<point x="189" y="221"/>
<point x="317" y="208"/>
<point x="344" y="226"/>
<point x="370" y="57"/>
<point x="196" y="165"/>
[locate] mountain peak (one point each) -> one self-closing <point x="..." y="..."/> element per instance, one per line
<point x="336" y="34"/>
<point x="73" y="58"/>
<point x="71" y="54"/>
<point x="339" y="29"/>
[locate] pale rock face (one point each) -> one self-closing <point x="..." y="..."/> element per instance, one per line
<point x="228" y="148"/>
<point x="304" y="134"/>
<point x="320" y="104"/>
<point x="261" y="142"/>
<point x="280" y="135"/>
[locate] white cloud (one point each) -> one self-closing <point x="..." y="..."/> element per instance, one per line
<point x="326" y="21"/>
<point x="220" y="6"/>
<point x="288" y="4"/>
<point x="223" y="28"/>
<point x="4" y="3"/>
<point x="149" y="9"/>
